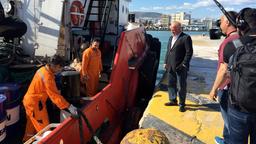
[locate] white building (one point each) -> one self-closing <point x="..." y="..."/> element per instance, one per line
<point x="208" y="22"/>
<point x="165" y="20"/>
<point x="182" y="17"/>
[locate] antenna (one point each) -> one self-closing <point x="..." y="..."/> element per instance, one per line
<point x="225" y="13"/>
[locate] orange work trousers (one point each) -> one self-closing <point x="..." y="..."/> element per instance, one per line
<point x="36" y="120"/>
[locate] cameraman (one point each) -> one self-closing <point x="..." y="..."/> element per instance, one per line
<point x="242" y="100"/>
<point x="220" y="86"/>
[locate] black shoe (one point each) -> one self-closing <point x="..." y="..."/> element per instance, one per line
<point x="171" y="103"/>
<point x="182" y="109"/>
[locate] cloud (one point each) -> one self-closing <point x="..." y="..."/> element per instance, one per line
<point x="208" y="4"/>
<point x="170" y="8"/>
<point x="237" y="2"/>
<point x="155" y="8"/>
<point x="211" y="9"/>
<point x="158" y="8"/>
<point x="186" y="4"/>
<point x="145" y="8"/>
<point x="229" y="9"/>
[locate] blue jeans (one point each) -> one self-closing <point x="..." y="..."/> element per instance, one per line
<point x="223" y="100"/>
<point x="180" y="76"/>
<point x="241" y="126"/>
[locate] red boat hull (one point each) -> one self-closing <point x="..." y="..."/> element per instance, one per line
<point x="111" y="103"/>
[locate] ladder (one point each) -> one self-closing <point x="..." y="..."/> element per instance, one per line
<point x="97" y="17"/>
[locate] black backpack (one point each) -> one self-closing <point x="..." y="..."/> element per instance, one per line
<point x="242" y="66"/>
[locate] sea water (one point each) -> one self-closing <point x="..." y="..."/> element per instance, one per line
<point x="163" y="37"/>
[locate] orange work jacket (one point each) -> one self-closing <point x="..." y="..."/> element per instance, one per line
<point x="91" y="67"/>
<point x="42" y="86"/>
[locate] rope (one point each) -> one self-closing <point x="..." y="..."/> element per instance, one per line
<point x="82" y="117"/>
<point x="7" y="53"/>
<point x="10" y="52"/>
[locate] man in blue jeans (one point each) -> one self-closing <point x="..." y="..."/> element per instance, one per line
<point x="220" y="86"/>
<point x="242" y="100"/>
<point x="177" y="59"/>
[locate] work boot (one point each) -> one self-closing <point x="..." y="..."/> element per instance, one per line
<point x="171" y="103"/>
<point x="182" y="109"/>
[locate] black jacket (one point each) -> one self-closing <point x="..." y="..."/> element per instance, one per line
<point x="180" y="53"/>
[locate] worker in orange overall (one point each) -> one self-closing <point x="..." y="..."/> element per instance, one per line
<point x="43" y="86"/>
<point x="91" y="67"/>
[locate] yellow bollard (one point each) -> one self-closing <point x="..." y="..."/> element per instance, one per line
<point x="145" y="136"/>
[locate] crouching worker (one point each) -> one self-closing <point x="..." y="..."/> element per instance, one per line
<point x="43" y="86"/>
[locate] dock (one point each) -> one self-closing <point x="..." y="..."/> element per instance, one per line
<point x="202" y="120"/>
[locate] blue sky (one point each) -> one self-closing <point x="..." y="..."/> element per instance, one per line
<point x="197" y="8"/>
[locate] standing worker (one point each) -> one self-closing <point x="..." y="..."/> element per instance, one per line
<point x="178" y="56"/>
<point x="91" y="67"/>
<point x="43" y="86"/>
<point x="221" y="83"/>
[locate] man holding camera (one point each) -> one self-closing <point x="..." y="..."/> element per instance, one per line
<point x="242" y="100"/>
<point x="220" y="86"/>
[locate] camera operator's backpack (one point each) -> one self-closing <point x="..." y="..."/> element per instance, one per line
<point x="242" y="66"/>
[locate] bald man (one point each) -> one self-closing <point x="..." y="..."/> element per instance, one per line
<point x="220" y="87"/>
<point x="178" y="56"/>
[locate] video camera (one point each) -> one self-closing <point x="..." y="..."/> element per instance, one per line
<point x="216" y="33"/>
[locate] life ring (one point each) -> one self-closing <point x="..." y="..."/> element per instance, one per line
<point x="77" y="13"/>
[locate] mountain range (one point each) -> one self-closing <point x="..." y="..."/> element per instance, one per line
<point x="147" y="14"/>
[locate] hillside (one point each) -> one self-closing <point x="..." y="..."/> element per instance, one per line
<point x="147" y="14"/>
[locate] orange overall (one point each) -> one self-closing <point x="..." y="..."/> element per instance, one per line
<point x="42" y="86"/>
<point x="91" y="67"/>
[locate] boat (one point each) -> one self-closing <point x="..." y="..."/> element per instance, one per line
<point x="130" y="63"/>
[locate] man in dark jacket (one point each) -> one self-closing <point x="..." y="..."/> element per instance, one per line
<point x="11" y="27"/>
<point x="178" y="56"/>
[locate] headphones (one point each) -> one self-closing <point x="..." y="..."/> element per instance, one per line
<point x="240" y="22"/>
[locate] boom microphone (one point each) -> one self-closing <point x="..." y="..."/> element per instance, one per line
<point x="225" y="13"/>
